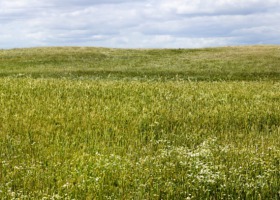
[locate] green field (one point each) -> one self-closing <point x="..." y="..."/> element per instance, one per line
<point x="97" y="123"/>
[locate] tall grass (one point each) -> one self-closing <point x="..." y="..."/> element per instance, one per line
<point x="139" y="139"/>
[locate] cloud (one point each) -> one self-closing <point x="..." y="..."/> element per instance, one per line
<point x="146" y="23"/>
<point x="218" y="7"/>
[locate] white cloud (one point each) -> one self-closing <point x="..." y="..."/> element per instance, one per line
<point x="216" y="7"/>
<point x="147" y="23"/>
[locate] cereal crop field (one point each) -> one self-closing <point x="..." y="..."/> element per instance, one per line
<point x="97" y="123"/>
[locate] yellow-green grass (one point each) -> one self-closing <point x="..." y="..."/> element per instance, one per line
<point x="97" y="123"/>
<point x="116" y="139"/>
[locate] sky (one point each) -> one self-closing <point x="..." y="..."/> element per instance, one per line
<point x="139" y="23"/>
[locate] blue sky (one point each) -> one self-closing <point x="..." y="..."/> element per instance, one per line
<point x="139" y="23"/>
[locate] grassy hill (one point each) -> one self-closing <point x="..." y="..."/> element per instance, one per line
<point x="228" y="63"/>
<point x="97" y="123"/>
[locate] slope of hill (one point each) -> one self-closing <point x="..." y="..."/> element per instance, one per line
<point x="228" y="63"/>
